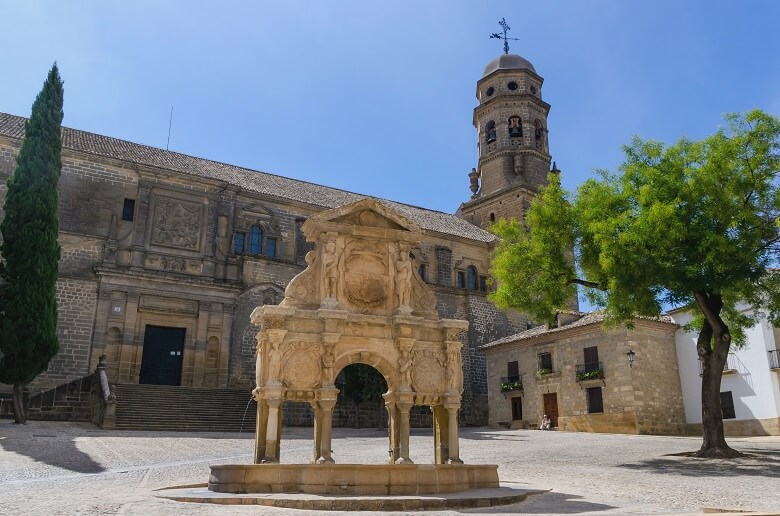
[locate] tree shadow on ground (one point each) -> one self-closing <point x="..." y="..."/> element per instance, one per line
<point x="44" y="445"/>
<point x="491" y="436"/>
<point x="545" y="503"/>
<point x="755" y="463"/>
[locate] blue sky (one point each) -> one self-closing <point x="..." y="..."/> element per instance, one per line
<point x="377" y="98"/>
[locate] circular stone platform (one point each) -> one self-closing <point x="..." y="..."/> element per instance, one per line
<point x="352" y="479"/>
<point x="507" y="493"/>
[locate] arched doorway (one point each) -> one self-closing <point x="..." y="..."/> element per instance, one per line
<point x="360" y="403"/>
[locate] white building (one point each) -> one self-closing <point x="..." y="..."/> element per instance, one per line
<point x="750" y="388"/>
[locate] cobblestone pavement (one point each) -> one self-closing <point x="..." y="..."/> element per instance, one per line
<point x="74" y="468"/>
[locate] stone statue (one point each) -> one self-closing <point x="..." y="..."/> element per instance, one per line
<point x="274" y="361"/>
<point x="403" y="277"/>
<point x="331" y="261"/>
<point x="327" y="365"/>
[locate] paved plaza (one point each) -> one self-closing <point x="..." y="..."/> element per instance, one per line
<point x="76" y="468"/>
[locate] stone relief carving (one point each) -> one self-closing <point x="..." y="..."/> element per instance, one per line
<point x="365" y="278"/>
<point x="405" y="369"/>
<point x="302" y="366"/>
<point x="176" y="223"/>
<point x="427" y="375"/>
<point x="167" y="305"/>
<point x="454" y="371"/>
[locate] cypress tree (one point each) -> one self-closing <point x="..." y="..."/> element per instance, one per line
<point x="30" y="251"/>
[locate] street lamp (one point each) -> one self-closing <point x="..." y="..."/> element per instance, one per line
<point x="630" y="354"/>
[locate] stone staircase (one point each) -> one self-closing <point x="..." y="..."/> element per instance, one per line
<point x="192" y="409"/>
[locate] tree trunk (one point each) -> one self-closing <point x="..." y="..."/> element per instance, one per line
<point x="713" y="348"/>
<point x="19" y="416"/>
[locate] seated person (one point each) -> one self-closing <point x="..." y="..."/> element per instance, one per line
<point x="546" y="423"/>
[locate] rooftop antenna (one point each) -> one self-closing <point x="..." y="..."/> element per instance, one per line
<point x="170" y="122"/>
<point x="505" y="26"/>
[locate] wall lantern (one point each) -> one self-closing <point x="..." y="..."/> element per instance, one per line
<point x="630" y="354"/>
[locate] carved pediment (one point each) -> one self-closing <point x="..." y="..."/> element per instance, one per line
<point x="256" y="210"/>
<point x="368" y="213"/>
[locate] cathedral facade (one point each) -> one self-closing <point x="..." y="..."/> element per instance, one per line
<point x="165" y="256"/>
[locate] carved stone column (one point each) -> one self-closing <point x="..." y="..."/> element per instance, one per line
<point x="132" y="342"/>
<point x="440" y="434"/>
<point x="261" y="428"/>
<point x="273" y="431"/>
<point x="454" y="445"/>
<point x="317" y="430"/>
<point x="393" y="432"/>
<point x="404" y="408"/>
<point x="326" y="406"/>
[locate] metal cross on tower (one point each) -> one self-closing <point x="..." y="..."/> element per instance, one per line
<point x="506" y="28"/>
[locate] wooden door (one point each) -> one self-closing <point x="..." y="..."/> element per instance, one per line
<point x="517" y="408"/>
<point x="551" y="406"/>
<point x="162" y="357"/>
<point x="591" y="358"/>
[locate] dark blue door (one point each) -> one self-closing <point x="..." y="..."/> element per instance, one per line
<point x="162" y="358"/>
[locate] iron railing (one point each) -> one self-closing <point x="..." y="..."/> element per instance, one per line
<point x="730" y="365"/>
<point x="589" y="371"/>
<point x="511" y="383"/>
<point x="774" y="359"/>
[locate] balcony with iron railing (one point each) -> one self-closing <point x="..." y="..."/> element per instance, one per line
<point x="589" y="371"/>
<point x="774" y="359"/>
<point x="730" y="367"/>
<point x="511" y="383"/>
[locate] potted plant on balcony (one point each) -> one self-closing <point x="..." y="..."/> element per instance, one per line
<point x="593" y="374"/>
<point x="512" y="385"/>
<point x="542" y="372"/>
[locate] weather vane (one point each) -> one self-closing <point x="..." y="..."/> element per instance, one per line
<point x="496" y="35"/>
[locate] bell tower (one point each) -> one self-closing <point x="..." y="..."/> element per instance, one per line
<point x="514" y="158"/>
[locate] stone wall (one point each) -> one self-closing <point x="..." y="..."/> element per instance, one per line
<point x="643" y="398"/>
<point x="70" y="401"/>
<point x="109" y="266"/>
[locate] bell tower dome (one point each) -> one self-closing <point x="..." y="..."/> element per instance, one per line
<point x="514" y="158"/>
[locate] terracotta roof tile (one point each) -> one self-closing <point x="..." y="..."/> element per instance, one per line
<point x="586" y="319"/>
<point x="250" y="180"/>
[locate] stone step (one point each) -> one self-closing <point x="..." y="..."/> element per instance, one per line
<point x="175" y="408"/>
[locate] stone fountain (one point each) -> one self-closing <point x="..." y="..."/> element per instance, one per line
<point x="358" y="301"/>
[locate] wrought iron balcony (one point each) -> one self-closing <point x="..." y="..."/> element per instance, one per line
<point x="590" y="371"/>
<point x="511" y="383"/>
<point x="774" y="359"/>
<point x="729" y="367"/>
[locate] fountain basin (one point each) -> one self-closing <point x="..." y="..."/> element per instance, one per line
<point x="352" y="479"/>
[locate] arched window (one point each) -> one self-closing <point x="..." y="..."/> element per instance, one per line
<point x="423" y="272"/>
<point x="490" y="132"/>
<point x="255" y="240"/>
<point x="471" y="278"/>
<point x="515" y="127"/>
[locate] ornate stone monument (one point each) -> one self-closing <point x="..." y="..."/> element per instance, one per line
<point x="358" y="301"/>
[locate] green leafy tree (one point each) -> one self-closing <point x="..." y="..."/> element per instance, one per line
<point x="30" y="252"/>
<point x="692" y="224"/>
